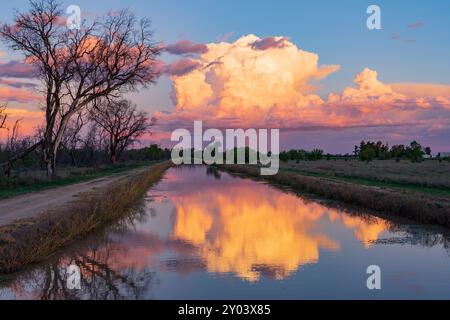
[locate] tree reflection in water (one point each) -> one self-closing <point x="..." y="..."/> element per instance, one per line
<point x="417" y="235"/>
<point x="101" y="277"/>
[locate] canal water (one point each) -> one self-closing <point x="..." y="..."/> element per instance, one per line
<point x="203" y="234"/>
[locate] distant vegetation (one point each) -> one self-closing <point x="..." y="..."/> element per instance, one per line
<point x="367" y="151"/>
<point x="299" y="155"/>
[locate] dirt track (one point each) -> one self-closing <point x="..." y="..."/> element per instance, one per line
<point x="32" y="204"/>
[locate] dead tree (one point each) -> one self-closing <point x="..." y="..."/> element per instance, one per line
<point x="11" y="143"/>
<point x="3" y="116"/>
<point x="122" y="124"/>
<point x="93" y="143"/>
<point x="110" y="55"/>
<point x="72" y="136"/>
<point x="13" y="136"/>
<point x="12" y="133"/>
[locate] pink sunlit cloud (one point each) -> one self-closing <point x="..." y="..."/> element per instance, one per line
<point x="275" y="86"/>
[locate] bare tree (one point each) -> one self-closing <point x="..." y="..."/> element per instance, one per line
<point x="93" y="143"/>
<point x="13" y="136"/>
<point x="12" y="133"/>
<point x="12" y="142"/>
<point x="15" y="148"/>
<point x="121" y="122"/>
<point x="3" y="116"/>
<point x="72" y="135"/>
<point x="107" y="57"/>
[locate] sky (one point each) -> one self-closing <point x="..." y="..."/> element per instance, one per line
<point x="311" y="68"/>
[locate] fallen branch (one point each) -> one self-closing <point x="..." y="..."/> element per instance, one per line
<point x="7" y="166"/>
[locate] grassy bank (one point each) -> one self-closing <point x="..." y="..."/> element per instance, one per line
<point x="430" y="176"/>
<point x="38" y="182"/>
<point x="34" y="240"/>
<point x="374" y="182"/>
<point x="416" y="206"/>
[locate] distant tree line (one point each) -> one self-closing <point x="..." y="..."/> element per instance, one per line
<point x="368" y="151"/>
<point x="301" y="155"/>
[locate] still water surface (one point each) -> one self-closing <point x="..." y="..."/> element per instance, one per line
<point x="207" y="235"/>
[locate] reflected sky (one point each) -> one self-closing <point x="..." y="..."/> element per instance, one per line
<point x="204" y="234"/>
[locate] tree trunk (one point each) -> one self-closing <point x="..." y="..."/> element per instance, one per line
<point x="52" y="143"/>
<point x="113" y="157"/>
<point x="50" y="159"/>
<point x="113" y="150"/>
<point x="74" y="159"/>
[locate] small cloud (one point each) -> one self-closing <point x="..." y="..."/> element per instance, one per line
<point x="398" y="37"/>
<point x="17" y="84"/>
<point x="186" y="47"/>
<point x="17" y="69"/>
<point x="11" y="94"/>
<point x="270" y="43"/>
<point x="416" y="25"/>
<point x="421" y="90"/>
<point x="181" y="67"/>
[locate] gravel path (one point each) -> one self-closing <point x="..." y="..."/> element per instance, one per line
<point x="32" y="204"/>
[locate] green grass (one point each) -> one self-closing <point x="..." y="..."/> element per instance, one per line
<point x="75" y="178"/>
<point x="401" y="186"/>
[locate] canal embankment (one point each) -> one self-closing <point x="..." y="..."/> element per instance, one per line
<point x="34" y="239"/>
<point x="417" y="206"/>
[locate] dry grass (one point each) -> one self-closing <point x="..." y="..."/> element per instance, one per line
<point x="429" y="173"/>
<point x="34" y="240"/>
<point x="415" y="206"/>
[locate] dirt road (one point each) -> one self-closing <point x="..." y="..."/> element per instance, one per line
<point x="32" y="204"/>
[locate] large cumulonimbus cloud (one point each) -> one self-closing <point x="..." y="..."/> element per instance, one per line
<point x="270" y="82"/>
<point x="248" y="76"/>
